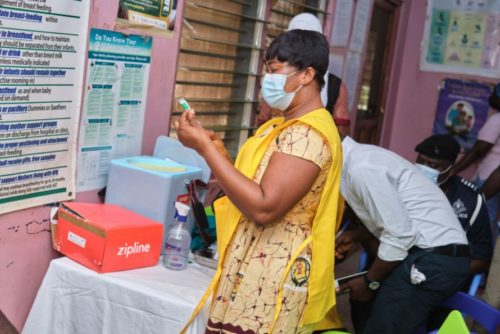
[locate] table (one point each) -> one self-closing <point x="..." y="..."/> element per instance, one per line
<point x="74" y="299"/>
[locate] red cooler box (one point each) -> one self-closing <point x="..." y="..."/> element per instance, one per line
<point x="106" y="237"/>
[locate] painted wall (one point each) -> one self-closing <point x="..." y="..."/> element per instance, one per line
<point x="413" y="94"/>
<point x="25" y="246"/>
<point x="25" y="249"/>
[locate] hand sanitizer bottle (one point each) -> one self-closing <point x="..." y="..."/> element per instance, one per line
<point x="178" y="241"/>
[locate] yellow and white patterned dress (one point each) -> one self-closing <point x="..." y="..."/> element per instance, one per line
<point x="257" y="256"/>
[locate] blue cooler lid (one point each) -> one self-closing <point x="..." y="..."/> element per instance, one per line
<point x="161" y="167"/>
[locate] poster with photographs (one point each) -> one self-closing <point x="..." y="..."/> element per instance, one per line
<point x="153" y="16"/>
<point x="462" y="110"/>
<point x="462" y="37"/>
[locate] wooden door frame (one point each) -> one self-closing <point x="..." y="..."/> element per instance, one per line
<point x="388" y="68"/>
<point x="395" y="59"/>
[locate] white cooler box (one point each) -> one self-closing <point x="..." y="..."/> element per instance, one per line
<point x="150" y="186"/>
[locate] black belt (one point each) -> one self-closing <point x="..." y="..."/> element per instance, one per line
<point x="455" y="250"/>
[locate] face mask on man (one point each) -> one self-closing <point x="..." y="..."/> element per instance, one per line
<point x="273" y="91"/>
<point x="431" y="173"/>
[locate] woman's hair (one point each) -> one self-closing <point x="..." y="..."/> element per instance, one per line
<point x="302" y="49"/>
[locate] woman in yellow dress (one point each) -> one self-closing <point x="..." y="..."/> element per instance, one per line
<point x="276" y="226"/>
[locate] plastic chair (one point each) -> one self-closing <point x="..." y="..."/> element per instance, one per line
<point x="363" y="260"/>
<point x="485" y="314"/>
<point x="454" y="324"/>
<point x="474" y="285"/>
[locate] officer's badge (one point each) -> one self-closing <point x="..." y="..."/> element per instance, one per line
<point x="459" y="208"/>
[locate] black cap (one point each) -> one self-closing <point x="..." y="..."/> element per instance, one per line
<point x="442" y="147"/>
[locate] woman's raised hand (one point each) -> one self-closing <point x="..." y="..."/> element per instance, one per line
<point x="191" y="133"/>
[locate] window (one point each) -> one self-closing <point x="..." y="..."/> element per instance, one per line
<point x="282" y="11"/>
<point x="219" y="66"/>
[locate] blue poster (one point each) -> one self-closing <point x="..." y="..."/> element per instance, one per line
<point x="462" y="110"/>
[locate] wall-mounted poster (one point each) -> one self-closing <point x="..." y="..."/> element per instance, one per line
<point x="462" y="110"/>
<point x="114" y="105"/>
<point x="462" y="37"/>
<point x="42" y="56"/>
<point x="156" y="16"/>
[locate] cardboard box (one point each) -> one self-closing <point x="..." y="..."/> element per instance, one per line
<point x="105" y="237"/>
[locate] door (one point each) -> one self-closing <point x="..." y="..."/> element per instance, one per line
<point x="375" y="72"/>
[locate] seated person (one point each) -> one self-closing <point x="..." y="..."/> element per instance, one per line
<point x="436" y="155"/>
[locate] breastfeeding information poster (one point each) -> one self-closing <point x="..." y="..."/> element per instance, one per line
<point x="114" y="104"/>
<point x="462" y="110"/>
<point x="462" y="37"/>
<point x="42" y="56"/>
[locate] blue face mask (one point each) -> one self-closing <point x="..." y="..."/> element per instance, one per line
<point x="431" y="173"/>
<point x="273" y="91"/>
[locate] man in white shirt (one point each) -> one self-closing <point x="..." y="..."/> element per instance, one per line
<point x="421" y="251"/>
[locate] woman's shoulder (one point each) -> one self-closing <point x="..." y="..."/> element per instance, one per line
<point x="302" y="130"/>
<point x="495" y="117"/>
<point x="304" y="141"/>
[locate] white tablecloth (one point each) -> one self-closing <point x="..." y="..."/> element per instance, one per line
<point x="74" y="299"/>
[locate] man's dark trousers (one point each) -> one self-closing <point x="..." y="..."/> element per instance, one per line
<point x="401" y="306"/>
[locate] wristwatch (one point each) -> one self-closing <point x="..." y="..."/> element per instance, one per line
<point x="372" y="285"/>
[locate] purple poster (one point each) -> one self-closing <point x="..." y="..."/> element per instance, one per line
<point x="462" y="110"/>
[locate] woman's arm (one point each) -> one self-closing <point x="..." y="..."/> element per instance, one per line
<point x="286" y="179"/>
<point x="341" y="115"/>
<point x="492" y="184"/>
<point x="341" y="107"/>
<point x="478" y="151"/>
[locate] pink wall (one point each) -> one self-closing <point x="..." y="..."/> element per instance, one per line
<point x="25" y="247"/>
<point x="413" y="94"/>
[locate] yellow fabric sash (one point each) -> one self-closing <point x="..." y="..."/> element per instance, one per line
<point x="321" y="291"/>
